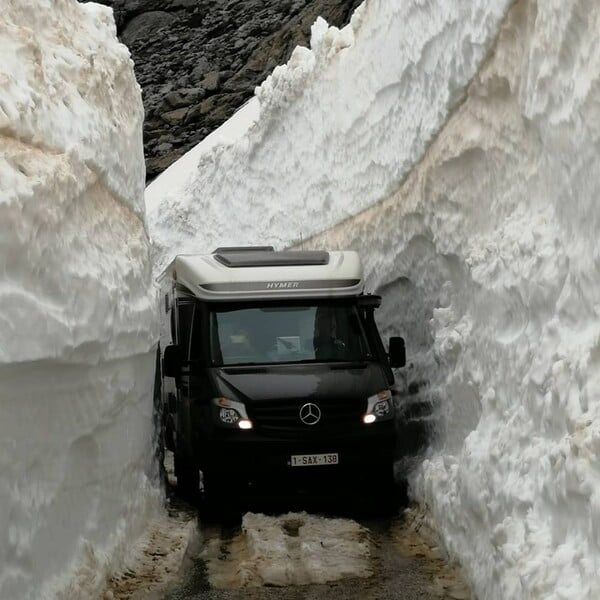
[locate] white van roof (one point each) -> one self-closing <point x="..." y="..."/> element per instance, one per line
<point x="262" y="273"/>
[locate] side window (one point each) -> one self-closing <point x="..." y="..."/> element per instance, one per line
<point x="377" y="345"/>
<point x="173" y="326"/>
<point x="185" y="316"/>
<point x="197" y="335"/>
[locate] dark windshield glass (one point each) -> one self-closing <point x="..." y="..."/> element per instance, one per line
<point x="283" y="334"/>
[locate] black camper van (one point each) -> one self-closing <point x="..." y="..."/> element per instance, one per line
<point x="273" y="369"/>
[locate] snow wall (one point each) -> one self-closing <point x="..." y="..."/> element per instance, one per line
<point x="329" y="133"/>
<point x="492" y="242"/>
<point x="77" y="321"/>
<point x="468" y="134"/>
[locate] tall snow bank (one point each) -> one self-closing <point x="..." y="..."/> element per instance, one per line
<point x="335" y="129"/>
<point x="493" y="242"/>
<point x="486" y="253"/>
<point x="77" y="318"/>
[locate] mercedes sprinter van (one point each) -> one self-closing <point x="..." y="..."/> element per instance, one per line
<point x="273" y="369"/>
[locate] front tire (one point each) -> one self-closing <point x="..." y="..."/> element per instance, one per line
<point x="222" y="498"/>
<point x="169" y="432"/>
<point x="387" y="495"/>
<point x="188" y="477"/>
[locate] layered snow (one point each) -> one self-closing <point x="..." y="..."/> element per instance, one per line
<point x="78" y="312"/>
<point x="492" y="242"/>
<point x="330" y="133"/>
<point x="479" y="226"/>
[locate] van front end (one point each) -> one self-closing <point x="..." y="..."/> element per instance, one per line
<point x="297" y="423"/>
<point x="252" y="457"/>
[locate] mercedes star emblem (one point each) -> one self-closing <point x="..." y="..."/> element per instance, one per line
<point x="310" y="414"/>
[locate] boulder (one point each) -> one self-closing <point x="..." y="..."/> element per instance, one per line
<point x="216" y="47"/>
<point x="146" y="25"/>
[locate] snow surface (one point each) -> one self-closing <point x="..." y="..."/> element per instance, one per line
<point x="333" y="133"/>
<point x="479" y="228"/>
<point x="158" y="558"/>
<point x="292" y="549"/>
<point x="78" y="311"/>
<point x="494" y="235"/>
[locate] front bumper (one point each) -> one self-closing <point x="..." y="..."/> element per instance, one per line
<point x="249" y="455"/>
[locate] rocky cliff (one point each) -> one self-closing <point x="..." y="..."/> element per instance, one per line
<point x="199" y="60"/>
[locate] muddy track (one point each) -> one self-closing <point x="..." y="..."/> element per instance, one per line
<point x="296" y="546"/>
<point x="276" y="557"/>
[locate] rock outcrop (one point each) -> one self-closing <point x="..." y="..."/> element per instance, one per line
<point x="198" y="61"/>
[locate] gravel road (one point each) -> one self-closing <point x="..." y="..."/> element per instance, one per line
<point x="233" y="560"/>
<point x="323" y="544"/>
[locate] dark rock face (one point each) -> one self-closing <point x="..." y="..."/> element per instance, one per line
<point x="197" y="61"/>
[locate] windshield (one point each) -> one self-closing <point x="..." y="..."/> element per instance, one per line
<point x="284" y="334"/>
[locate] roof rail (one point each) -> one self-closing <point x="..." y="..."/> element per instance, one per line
<point x="227" y="249"/>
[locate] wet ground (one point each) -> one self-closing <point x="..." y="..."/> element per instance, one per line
<point x="291" y="555"/>
<point x="396" y="574"/>
<point x="311" y="544"/>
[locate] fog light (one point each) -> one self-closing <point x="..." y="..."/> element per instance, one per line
<point x="245" y="424"/>
<point x="369" y="419"/>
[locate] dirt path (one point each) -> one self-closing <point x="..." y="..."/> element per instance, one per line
<point x="312" y="553"/>
<point x="292" y="556"/>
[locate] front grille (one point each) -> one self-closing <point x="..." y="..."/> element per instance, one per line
<point x="282" y="417"/>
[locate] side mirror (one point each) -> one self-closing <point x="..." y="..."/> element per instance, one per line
<point x="172" y="360"/>
<point x="397" y="352"/>
<point x="369" y="301"/>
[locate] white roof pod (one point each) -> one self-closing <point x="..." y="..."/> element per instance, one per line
<point x="262" y="273"/>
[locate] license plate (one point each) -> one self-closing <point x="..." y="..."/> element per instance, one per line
<point x="314" y="460"/>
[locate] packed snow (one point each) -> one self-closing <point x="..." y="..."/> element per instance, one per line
<point x="468" y="134"/>
<point x="328" y="134"/>
<point x="292" y="549"/>
<point x="157" y="559"/>
<point x="78" y="310"/>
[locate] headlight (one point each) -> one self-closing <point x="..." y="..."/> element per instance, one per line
<point x="379" y="407"/>
<point x="229" y="416"/>
<point x="232" y="414"/>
